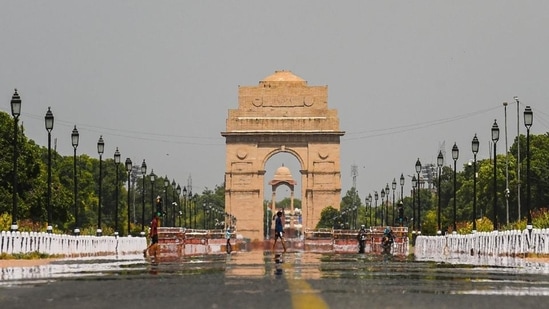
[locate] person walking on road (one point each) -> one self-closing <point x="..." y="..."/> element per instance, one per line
<point x="153" y="235"/>
<point x="361" y="237"/>
<point x="228" y="237"/>
<point x="279" y="230"/>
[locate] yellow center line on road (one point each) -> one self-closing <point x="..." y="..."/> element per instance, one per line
<point x="303" y="295"/>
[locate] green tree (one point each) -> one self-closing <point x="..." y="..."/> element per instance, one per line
<point x="286" y="203"/>
<point x="29" y="188"/>
<point x="351" y="209"/>
<point x="329" y="217"/>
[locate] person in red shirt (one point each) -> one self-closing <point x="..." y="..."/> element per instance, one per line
<point x="153" y="235"/>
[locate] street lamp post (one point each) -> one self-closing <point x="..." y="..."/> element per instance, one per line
<point x="401" y="186"/>
<point x="474" y="147"/>
<point x="519" y="167"/>
<point x="174" y="204"/>
<point x="402" y="196"/>
<point x="116" y="163"/>
<point x="495" y="138"/>
<point x="190" y="204"/>
<point x="394" y="186"/>
<point x="143" y="174"/>
<point x="204" y="213"/>
<point x="375" y="211"/>
<point x="15" y="112"/>
<point x="184" y="206"/>
<point x="369" y="199"/>
<point x="440" y="162"/>
<point x="414" y="218"/>
<point x="506" y="167"/>
<point x="100" y="150"/>
<point x="49" y="126"/>
<point x="193" y="204"/>
<point x="455" y="156"/>
<point x="75" y="137"/>
<point x="166" y="184"/>
<point x="383" y="219"/>
<point x="528" y="120"/>
<point x="178" y="190"/>
<point x="129" y="171"/>
<point x="387" y="204"/>
<point x="418" y="170"/>
<point x="152" y="176"/>
<point x="366" y="210"/>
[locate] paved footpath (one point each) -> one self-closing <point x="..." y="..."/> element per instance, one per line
<point x="265" y="280"/>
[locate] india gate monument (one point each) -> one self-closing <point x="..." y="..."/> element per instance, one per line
<point x="281" y="114"/>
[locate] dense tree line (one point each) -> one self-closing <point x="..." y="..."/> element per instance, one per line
<point x="355" y="210"/>
<point x="193" y="210"/>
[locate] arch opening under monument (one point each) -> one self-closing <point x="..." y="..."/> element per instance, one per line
<point x="281" y="115"/>
<point x="283" y="193"/>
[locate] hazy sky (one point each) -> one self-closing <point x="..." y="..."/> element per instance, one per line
<point x="157" y="78"/>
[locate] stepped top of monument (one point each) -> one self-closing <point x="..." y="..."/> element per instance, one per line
<point x="283" y="102"/>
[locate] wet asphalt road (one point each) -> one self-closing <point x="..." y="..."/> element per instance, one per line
<point x="263" y="280"/>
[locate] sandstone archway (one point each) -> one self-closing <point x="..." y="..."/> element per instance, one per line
<point x="281" y="114"/>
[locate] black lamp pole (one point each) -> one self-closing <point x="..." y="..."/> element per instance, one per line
<point x="116" y="163"/>
<point x="387" y="204"/>
<point x="402" y="197"/>
<point x="440" y="162"/>
<point x="418" y="170"/>
<point x="184" y="206"/>
<point x="528" y="120"/>
<point x="143" y="174"/>
<point x="174" y="203"/>
<point x="193" y="204"/>
<point x="370" y="206"/>
<point x="401" y="186"/>
<point x="49" y="126"/>
<point x="474" y="147"/>
<point x="394" y="186"/>
<point x="178" y="190"/>
<point x="15" y="112"/>
<point x="100" y="150"/>
<point x="204" y="213"/>
<point x="153" y="178"/>
<point x="414" y="218"/>
<point x="455" y="156"/>
<point x="383" y="219"/>
<point x="495" y="138"/>
<point x="75" y="137"/>
<point x="190" y="204"/>
<point x="375" y="211"/>
<point x="129" y="171"/>
<point x="166" y="184"/>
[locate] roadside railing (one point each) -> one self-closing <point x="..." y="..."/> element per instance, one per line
<point x="498" y="243"/>
<point x="68" y="245"/>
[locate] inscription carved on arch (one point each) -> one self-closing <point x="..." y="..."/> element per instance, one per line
<point x="282" y="101"/>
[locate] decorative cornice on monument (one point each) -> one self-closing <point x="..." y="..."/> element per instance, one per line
<point x="275" y="139"/>
<point x="278" y="132"/>
<point x="242" y="190"/>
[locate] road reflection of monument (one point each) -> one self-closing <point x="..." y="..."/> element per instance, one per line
<point x="248" y="264"/>
<point x="257" y="263"/>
